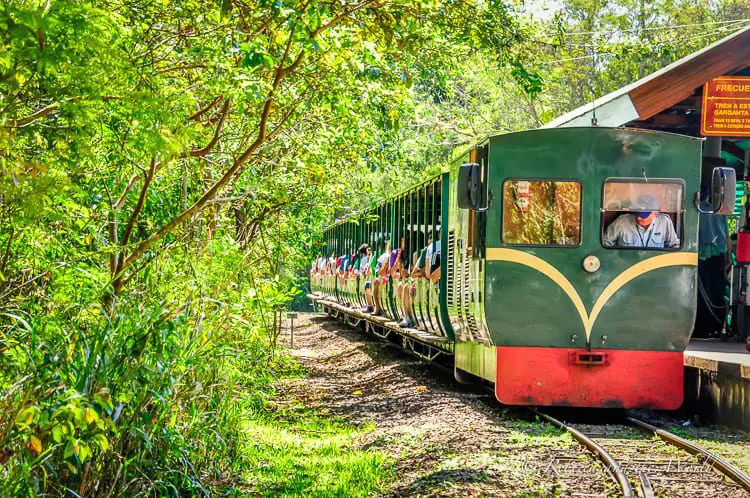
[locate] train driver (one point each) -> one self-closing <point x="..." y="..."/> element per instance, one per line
<point x="644" y="228"/>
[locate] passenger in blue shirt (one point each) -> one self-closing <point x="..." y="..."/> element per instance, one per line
<point x="644" y="228"/>
<point x="343" y="266"/>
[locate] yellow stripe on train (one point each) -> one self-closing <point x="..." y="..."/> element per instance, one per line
<point x="588" y="320"/>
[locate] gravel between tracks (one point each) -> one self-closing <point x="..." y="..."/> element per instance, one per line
<point x="444" y="439"/>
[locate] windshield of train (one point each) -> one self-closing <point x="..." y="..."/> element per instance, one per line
<point x="642" y="214"/>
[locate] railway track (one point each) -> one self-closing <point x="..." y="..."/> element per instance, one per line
<point x="647" y="461"/>
<point x="644" y="460"/>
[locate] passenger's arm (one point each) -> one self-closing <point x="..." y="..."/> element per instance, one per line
<point x="609" y="239"/>
<point x="435" y="275"/>
<point x="671" y="239"/>
<point x="417" y="271"/>
<point x="383" y="269"/>
<point x="397" y="263"/>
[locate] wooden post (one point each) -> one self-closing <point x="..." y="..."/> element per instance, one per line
<point x="291" y="316"/>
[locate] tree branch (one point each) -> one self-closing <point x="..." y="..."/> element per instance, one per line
<point x="201" y="112"/>
<point x="139" y="204"/>
<point x="51" y="109"/>
<point x="340" y="17"/>
<point x="215" y="139"/>
<point x="202" y="152"/>
<point x="41" y="113"/>
<point x="114" y="257"/>
<point x="261" y="137"/>
<point x="117" y="275"/>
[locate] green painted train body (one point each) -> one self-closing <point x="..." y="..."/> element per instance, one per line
<point x="654" y="311"/>
<point x="530" y="297"/>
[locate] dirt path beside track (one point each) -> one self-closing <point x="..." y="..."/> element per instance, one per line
<point x="444" y="439"/>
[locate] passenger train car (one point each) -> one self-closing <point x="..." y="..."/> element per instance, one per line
<point x="542" y="292"/>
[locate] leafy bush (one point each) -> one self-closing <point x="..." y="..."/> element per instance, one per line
<point x="145" y="396"/>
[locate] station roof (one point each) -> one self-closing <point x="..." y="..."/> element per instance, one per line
<point x="669" y="99"/>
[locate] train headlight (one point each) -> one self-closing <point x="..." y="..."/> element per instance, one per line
<point x="591" y="264"/>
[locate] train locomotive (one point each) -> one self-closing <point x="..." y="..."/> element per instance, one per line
<point x="536" y="295"/>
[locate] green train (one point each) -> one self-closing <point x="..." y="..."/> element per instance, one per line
<point x="566" y="264"/>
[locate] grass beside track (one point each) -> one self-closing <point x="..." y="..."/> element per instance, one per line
<point x="288" y="449"/>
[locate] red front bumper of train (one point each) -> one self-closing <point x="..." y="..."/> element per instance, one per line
<point x="599" y="378"/>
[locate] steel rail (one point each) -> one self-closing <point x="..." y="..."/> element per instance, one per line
<point x="705" y="455"/>
<point x="647" y="490"/>
<point x="613" y="466"/>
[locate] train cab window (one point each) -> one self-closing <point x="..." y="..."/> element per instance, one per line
<point x="542" y="212"/>
<point x="642" y="214"/>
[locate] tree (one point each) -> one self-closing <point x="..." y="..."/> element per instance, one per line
<point x="163" y="92"/>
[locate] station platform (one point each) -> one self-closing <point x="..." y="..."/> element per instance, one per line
<point x="717" y="382"/>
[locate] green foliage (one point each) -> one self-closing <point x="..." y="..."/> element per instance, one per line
<point x="138" y="399"/>
<point x="165" y="165"/>
<point x="578" y="51"/>
<point x="162" y="167"/>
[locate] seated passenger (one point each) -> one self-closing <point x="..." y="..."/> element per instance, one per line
<point x="394" y="265"/>
<point x="337" y="265"/>
<point x="341" y="266"/>
<point x="364" y="271"/>
<point x="432" y="261"/>
<point x="351" y="264"/>
<point x="403" y="265"/>
<point x="409" y="291"/>
<point x="322" y="261"/>
<point x="370" y="276"/>
<point x="420" y="270"/>
<point x="363" y="259"/>
<point x="380" y="278"/>
<point x="644" y="228"/>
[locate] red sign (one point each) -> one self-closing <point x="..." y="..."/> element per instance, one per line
<point x="523" y="189"/>
<point x="726" y="107"/>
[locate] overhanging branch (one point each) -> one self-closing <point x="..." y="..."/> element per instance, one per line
<point x="51" y="109"/>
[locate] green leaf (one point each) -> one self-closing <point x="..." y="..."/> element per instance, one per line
<point x="90" y="415"/>
<point x="58" y="433"/>
<point x="101" y="441"/>
<point x="20" y="320"/>
<point x="26" y="416"/>
<point x="69" y="450"/>
<point x="79" y="416"/>
<point x="82" y="450"/>
<point x="254" y="59"/>
<point x="268" y="61"/>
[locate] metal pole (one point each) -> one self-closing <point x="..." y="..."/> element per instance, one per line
<point x="291" y="316"/>
<point x="712" y="147"/>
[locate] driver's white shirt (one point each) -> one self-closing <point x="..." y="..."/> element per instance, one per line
<point x="626" y="232"/>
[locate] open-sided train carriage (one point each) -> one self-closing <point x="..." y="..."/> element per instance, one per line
<point x="544" y="289"/>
